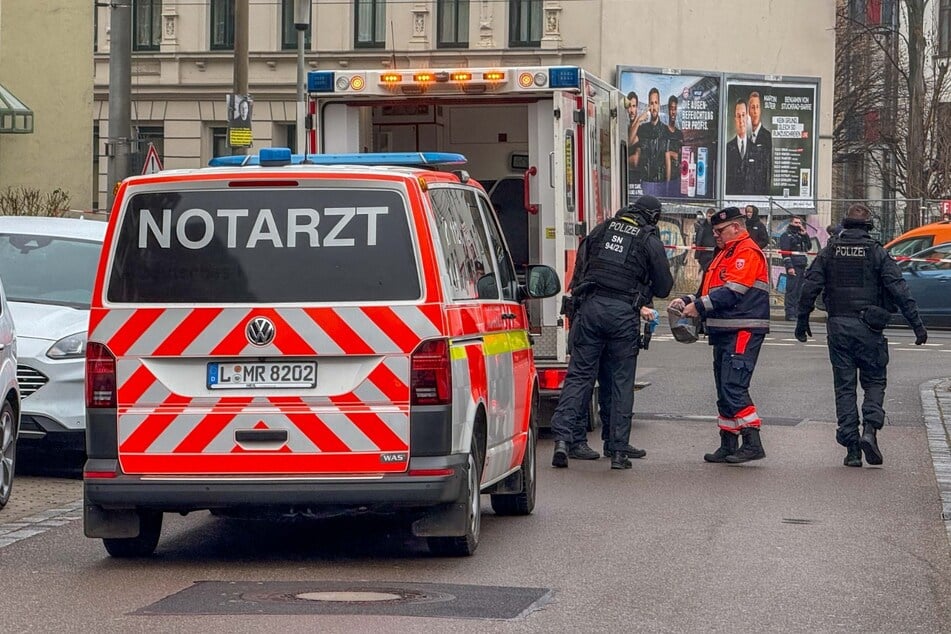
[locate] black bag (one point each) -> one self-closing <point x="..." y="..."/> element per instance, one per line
<point x="876" y="318"/>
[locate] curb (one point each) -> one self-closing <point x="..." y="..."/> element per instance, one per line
<point x="936" y="406"/>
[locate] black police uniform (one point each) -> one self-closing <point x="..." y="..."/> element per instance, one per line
<point x="799" y="243"/>
<point x="859" y="282"/>
<point x="622" y="265"/>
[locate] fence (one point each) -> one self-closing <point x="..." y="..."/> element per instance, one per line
<point x="679" y="220"/>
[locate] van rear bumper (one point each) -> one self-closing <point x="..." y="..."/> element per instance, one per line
<point x="182" y="494"/>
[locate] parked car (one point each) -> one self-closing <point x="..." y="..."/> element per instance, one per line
<point x="10" y="406"/>
<point x="930" y="285"/>
<point x="920" y="238"/>
<point x="48" y="266"/>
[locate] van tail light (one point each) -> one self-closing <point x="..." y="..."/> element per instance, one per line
<point x="100" y="376"/>
<point x="551" y="379"/>
<point x="431" y="373"/>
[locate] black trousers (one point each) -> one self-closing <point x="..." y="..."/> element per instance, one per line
<point x="856" y="350"/>
<point x="734" y="359"/>
<point x="604" y="326"/>
<point x="793" y="291"/>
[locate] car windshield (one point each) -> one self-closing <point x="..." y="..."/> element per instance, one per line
<point x="47" y="270"/>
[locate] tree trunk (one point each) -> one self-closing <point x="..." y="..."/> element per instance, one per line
<point x="915" y="142"/>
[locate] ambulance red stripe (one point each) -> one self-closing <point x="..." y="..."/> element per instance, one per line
<point x="187" y="331"/>
<point x="137" y="384"/>
<point x="131" y="330"/>
<point x="153" y="426"/>
<point x="393" y="327"/>
<point x="387" y="382"/>
<point x="319" y="434"/>
<point x="235" y="341"/>
<point x="338" y="330"/>
<point x="285" y="336"/>
<point x="378" y="431"/>
<point x="207" y="430"/>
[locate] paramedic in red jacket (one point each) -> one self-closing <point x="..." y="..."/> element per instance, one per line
<point x="734" y="307"/>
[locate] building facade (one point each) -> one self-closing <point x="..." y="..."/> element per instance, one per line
<point x="183" y="54"/>
<point x="57" y="89"/>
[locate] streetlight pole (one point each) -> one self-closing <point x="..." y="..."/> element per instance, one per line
<point x="301" y="23"/>
<point x="120" y="97"/>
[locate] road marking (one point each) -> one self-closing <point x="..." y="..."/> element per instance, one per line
<point x="39" y="523"/>
<point x="775" y="343"/>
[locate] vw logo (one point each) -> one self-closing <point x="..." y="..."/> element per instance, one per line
<point x="260" y="331"/>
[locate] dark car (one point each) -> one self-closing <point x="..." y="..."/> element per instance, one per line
<point x="928" y="275"/>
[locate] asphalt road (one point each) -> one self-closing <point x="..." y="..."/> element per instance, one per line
<point x="795" y="542"/>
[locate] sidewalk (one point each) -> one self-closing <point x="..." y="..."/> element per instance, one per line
<point x="936" y="408"/>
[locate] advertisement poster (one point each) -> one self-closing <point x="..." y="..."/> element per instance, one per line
<point x="673" y="128"/>
<point x="239" y="120"/>
<point x="770" y="140"/>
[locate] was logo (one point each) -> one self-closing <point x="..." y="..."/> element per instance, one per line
<point x="392" y="457"/>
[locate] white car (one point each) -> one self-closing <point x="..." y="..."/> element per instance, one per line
<point x="10" y="406"/>
<point x="48" y="266"/>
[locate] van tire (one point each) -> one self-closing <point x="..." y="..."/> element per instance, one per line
<point x="150" y="529"/>
<point x="523" y="502"/>
<point x="465" y="545"/>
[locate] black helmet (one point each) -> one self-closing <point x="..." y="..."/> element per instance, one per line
<point x="649" y="207"/>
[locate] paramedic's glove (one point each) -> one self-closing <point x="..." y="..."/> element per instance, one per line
<point x="677" y="304"/>
<point x="802" y="328"/>
<point x="921" y="335"/>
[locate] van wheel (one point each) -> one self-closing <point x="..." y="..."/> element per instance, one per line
<point x="8" y="451"/>
<point x="522" y="503"/>
<point x="150" y="529"/>
<point x="465" y="545"/>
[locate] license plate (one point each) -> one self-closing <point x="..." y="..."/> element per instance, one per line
<point x="264" y="374"/>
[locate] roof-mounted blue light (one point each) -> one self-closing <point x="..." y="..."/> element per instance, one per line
<point x="564" y="77"/>
<point x="320" y="81"/>
<point x="282" y="156"/>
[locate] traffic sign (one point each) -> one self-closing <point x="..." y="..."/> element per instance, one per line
<point x="152" y="164"/>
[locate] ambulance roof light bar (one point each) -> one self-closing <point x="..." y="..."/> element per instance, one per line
<point x="444" y="81"/>
<point x="283" y="156"/>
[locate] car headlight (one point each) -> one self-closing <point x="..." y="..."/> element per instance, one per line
<point x="68" y="347"/>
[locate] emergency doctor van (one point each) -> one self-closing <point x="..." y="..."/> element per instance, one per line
<point x="304" y="339"/>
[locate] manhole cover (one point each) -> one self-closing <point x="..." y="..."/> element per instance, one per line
<point x="352" y="598"/>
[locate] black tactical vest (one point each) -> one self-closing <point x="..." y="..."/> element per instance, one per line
<point x="852" y="282"/>
<point x="617" y="257"/>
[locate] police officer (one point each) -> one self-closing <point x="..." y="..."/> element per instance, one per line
<point x="860" y="281"/>
<point x="620" y="266"/>
<point x="793" y="245"/>
<point x="734" y="307"/>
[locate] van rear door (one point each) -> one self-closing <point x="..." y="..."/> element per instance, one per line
<point x="264" y="330"/>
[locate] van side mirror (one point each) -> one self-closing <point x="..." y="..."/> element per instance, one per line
<point x="542" y="281"/>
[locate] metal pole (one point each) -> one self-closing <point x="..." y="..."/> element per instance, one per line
<point x="120" y="98"/>
<point x="301" y="23"/>
<point x="301" y="95"/>
<point x="240" y="54"/>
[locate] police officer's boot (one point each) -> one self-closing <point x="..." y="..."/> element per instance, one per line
<point x="581" y="451"/>
<point x="869" y="444"/>
<point x="629" y="450"/>
<point x="729" y="443"/>
<point x="619" y="460"/>
<point x="560" y="457"/>
<point x="853" y="456"/>
<point x="752" y="449"/>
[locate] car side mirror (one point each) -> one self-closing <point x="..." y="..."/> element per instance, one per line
<point x="542" y="281"/>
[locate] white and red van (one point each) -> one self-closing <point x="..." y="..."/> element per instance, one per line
<point x="284" y="337"/>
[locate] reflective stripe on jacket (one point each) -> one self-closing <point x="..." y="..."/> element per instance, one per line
<point x="735" y="290"/>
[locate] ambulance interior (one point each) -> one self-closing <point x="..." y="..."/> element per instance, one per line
<point x="492" y="137"/>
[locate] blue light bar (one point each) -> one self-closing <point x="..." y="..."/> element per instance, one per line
<point x="320" y="81"/>
<point x="282" y="156"/>
<point x="564" y="77"/>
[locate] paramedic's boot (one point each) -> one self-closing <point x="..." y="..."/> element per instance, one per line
<point x="629" y="450"/>
<point x="869" y="444"/>
<point x="560" y="457"/>
<point x="729" y="443"/>
<point x="619" y="460"/>
<point x="752" y="449"/>
<point x="581" y="451"/>
<point x="853" y="456"/>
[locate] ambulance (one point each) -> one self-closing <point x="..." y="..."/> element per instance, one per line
<point x="280" y="336"/>
<point x="546" y="141"/>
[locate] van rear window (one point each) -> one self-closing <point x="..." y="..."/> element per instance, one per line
<point x="264" y="246"/>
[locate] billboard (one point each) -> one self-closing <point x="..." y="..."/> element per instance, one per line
<point x="673" y="131"/>
<point x="770" y="140"/>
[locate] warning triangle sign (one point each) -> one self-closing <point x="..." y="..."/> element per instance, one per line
<point x="152" y="164"/>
